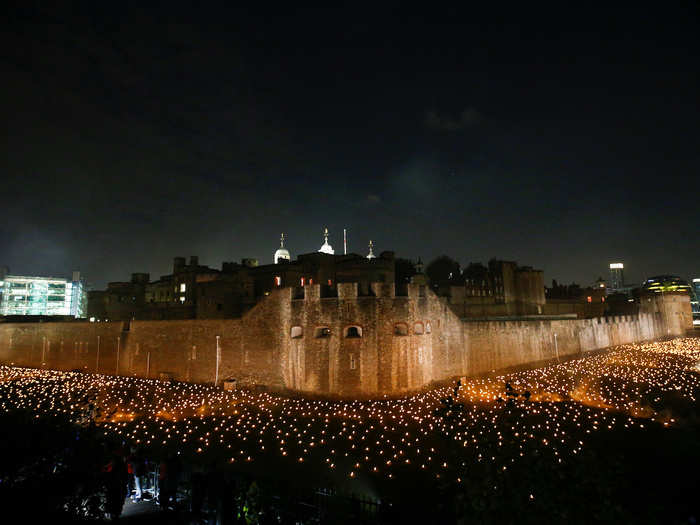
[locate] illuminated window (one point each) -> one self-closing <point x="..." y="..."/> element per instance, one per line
<point x="418" y="328"/>
<point x="297" y="332"/>
<point x="353" y="331"/>
<point x="602" y="299"/>
<point x="182" y="299"/>
<point x="589" y="299"/>
<point x="428" y="327"/>
<point x="303" y="281"/>
<point x="278" y="281"/>
<point x="311" y="281"/>
<point x="183" y="287"/>
<point x="353" y="365"/>
<point x="330" y="282"/>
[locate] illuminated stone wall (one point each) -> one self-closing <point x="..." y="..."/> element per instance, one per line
<point x="346" y="346"/>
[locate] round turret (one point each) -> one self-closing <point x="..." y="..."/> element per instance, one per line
<point x="282" y="252"/>
<point x="326" y="248"/>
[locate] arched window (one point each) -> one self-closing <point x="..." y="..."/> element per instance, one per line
<point x="297" y="332"/>
<point x="353" y="331"/>
<point x="400" y="329"/>
<point x="323" y="331"/>
<point x="428" y="327"/>
<point x="418" y="328"/>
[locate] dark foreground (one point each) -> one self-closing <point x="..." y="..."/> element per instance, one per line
<point x="609" y="438"/>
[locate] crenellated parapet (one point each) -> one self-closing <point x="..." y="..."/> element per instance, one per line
<point x="333" y="341"/>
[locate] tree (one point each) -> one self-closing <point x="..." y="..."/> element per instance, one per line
<point x="404" y="269"/>
<point x="478" y="273"/>
<point x="443" y="270"/>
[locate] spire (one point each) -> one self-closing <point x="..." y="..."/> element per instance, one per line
<point x="326" y="248"/>
<point x="371" y="253"/>
<point x="282" y="253"/>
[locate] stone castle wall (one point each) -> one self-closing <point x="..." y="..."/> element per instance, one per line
<point x="345" y="346"/>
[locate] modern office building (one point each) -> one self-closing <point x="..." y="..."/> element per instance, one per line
<point x="617" y="276"/>
<point x="31" y="295"/>
<point x="695" y="302"/>
<point x="667" y="283"/>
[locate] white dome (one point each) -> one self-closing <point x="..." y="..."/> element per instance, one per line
<point x="371" y="251"/>
<point x="282" y="253"/>
<point x="326" y="248"/>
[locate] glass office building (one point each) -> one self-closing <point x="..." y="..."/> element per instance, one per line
<point x="667" y="283"/>
<point x="25" y="295"/>
<point x="695" y="303"/>
<point x="617" y="276"/>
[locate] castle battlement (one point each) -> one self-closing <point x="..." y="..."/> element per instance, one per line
<point x="349" y="344"/>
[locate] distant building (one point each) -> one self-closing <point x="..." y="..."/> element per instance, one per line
<point x="194" y="291"/>
<point x="672" y="283"/>
<point x="667" y="283"/>
<point x="500" y="289"/>
<point x="617" y="276"/>
<point x="33" y="295"/>
<point x="695" y="302"/>
<point x="696" y="287"/>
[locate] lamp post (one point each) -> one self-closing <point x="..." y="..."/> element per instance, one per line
<point x="218" y="359"/>
<point x="97" y="360"/>
<point x="118" y="344"/>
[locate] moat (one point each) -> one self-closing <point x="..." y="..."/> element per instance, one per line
<point x="577" y="440"/>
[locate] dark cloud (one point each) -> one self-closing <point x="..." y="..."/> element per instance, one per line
<point x="442" y="122"/>
<point x="134" y="135"/>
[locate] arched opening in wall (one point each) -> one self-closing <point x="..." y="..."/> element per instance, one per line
<point x="418" y="328"/>
<point x="353" y="332"/>
<point x="323" y="331"/>
<point x="297" y="332"/>
<point x="400" y="329"/>
<point x="428" y="327"/>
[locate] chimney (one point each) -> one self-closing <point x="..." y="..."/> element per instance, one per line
<point x="178" y="264"/>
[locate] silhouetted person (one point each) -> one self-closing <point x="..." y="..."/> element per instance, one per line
<point x="137" y="470"/>
<point x="169" y="475"/>
<point x="116" y="478"/>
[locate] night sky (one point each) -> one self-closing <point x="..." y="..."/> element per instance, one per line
<point x="563" y="139"/>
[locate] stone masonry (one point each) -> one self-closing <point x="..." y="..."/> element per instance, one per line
<point x="346" y="346"/>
